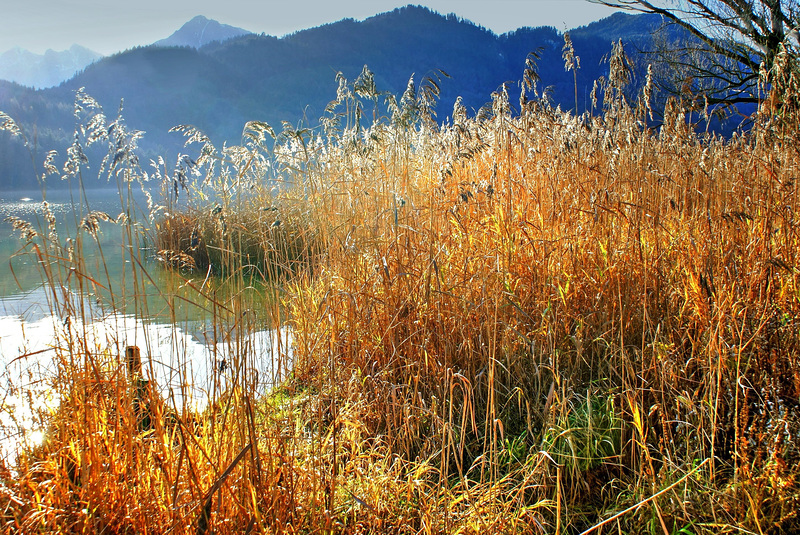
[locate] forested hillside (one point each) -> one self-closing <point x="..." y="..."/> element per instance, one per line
<point x="222" y="85"/>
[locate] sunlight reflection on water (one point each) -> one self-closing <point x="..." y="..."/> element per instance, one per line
<point x="184" y="369"/>
<point x="182" y="360"/>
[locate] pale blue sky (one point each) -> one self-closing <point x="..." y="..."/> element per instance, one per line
<point x="109" y="26"/>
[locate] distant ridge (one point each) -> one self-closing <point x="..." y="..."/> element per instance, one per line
<point x="201" y="31"/>
<point x="44" y="70"/>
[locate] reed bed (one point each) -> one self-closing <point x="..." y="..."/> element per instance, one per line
<point x="518" y="322"/>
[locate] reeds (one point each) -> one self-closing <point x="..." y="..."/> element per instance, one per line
<point x="514" y="323"/>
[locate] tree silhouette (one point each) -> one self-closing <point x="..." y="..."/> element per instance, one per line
<point x="732" y="45"/>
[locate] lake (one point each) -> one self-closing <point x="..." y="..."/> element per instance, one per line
<point x="189" y="326"/>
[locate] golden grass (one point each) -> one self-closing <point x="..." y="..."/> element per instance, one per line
<point x="514" y="324"/>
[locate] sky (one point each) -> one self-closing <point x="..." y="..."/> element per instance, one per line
<point x="108" y="26"/>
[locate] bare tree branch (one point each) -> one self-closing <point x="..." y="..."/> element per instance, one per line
<point x="736" y="40"/>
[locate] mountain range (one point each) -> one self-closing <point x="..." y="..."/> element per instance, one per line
<point x="52" y="68"/>
<point x="44" y="70"/>
<point x="220" y="84"/>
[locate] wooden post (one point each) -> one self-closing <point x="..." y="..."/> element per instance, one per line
<point x="140" y="387"/>
<point x="134" y="359"/>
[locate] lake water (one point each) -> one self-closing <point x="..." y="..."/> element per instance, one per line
<point x="184" y="351"/>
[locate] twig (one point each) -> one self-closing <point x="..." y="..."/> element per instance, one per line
<point x="641" y="503"/>
<point x="205" y="514"/>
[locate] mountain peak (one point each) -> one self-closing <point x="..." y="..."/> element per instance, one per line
<point x="199" y="32"/>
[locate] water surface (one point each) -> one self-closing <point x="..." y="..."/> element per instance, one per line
<point x="188" y="326"/>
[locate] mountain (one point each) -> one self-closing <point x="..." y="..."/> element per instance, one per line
<point x="220" y="86"/>
<point x="44" y="70"/>
<point x="620" y="25"/>
<point x="201" y="31"/>
<point x="41" y="71"/>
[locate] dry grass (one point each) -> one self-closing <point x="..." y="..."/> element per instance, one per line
<point x="510" y="324"/>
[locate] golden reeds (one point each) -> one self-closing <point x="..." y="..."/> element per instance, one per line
<point x="517" y="323"/>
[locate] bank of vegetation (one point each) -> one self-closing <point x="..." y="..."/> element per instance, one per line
<point x="516" y="322"/>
